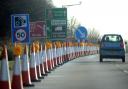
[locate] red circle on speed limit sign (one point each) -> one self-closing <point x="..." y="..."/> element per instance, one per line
<point x="20" y="35"/>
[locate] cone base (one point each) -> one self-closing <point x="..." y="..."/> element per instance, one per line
<point x="36" y="80"/>
<point x="41" y="77"/>
<point x="28" y="85"/>
<point x="44" y="74"/>
<point x="48" y="72"/>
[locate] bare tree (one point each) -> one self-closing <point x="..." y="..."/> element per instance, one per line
<point x="72" y="25"/>
<point x="93" y="35"/>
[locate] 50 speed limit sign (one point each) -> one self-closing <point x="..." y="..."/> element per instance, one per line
<point x="20" y="35"/>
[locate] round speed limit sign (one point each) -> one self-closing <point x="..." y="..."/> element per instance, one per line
<point x="20" y="35"/>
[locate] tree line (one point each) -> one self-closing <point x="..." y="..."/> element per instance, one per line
<point x="35" y="8"/>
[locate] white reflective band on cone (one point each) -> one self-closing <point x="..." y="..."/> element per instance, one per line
<point x="25" y="63"/>
<point x="17" y="66"/>
<point x="32" y="64"/>
<point x="37" y="59"/>
<point x="5" y="71"/>
<point x="43" y="56"/>
<point x="57" y="52"/>
<point x="49" y="56"/>
<point x="52" y="52"/>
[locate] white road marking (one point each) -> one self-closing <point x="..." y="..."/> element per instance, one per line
<point x="125" y="71"/>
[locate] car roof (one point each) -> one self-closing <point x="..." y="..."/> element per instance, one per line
<point x="111" y="34"/>
<point x="103" y="37"/>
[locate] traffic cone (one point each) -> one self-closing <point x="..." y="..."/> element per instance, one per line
<point x="67" y="52"/>
<point x="61" y="54"/>
<point x="49" y="60"/>
<point x="38" y="65"/>
<point x="4" y="74"/>
<point x="37" y="56"/>
<point x="25" y="69"/>
<point x="52" y="58"/>
<point x="41" y="61"/>
<point x="33" y="71"/>
<point x="45" y="59"/>
<point x="17" y="82"/>
<point x="54" y="55"/>
<point x="58" y="58"/>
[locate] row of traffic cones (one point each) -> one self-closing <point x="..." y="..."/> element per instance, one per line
<point x="21" y="74"/>
<point x="41" y="62"/>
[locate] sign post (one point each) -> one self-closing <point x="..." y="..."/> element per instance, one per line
<point x="20" y="28"/>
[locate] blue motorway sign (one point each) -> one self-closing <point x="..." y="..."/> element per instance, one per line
<point x="20" y="28"/>
<point x="81" y="33"/>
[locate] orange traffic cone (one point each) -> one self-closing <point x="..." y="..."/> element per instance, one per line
<point x="4" y="74"/>
<point x="51" y="53"/>
<point x="41" y="61"/>
<point x="33" y="71"/>
<point x="17" y="82"/>
<point x="49" y="60"/>
<point x="61" y="53"/>
<point x="25" y="69"/>
<point x="66" y="52"/>
<point x="57" y="56"/>
<point x="54" y="55"/>
<point x="37" y="56"/>
<point x="38" y="65"/>
<point x="65" y="59"/>
<point x="45" y="60"/>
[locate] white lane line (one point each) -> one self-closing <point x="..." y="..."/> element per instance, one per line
<point x="125" y="71"/>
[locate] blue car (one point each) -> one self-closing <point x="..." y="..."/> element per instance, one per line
<point x="112" y="46"/>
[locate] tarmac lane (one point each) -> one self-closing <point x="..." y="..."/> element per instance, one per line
<point x="87" y="73"/>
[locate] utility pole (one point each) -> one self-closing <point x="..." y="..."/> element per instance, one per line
<point x="70" y="5"/>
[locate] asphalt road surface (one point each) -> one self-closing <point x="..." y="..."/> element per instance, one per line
<point x="87" y="73"/>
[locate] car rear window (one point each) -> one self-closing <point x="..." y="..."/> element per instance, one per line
<point x="112" y="38"/>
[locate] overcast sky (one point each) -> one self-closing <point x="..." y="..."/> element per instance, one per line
<point x="106" y="16"/>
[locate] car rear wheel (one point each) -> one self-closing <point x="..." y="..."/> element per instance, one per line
<point x="123" y="59"/>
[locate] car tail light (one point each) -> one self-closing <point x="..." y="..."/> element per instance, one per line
<point x="122" y="45"/>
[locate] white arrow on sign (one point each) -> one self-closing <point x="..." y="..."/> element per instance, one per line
<point x="82" y="34"/>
